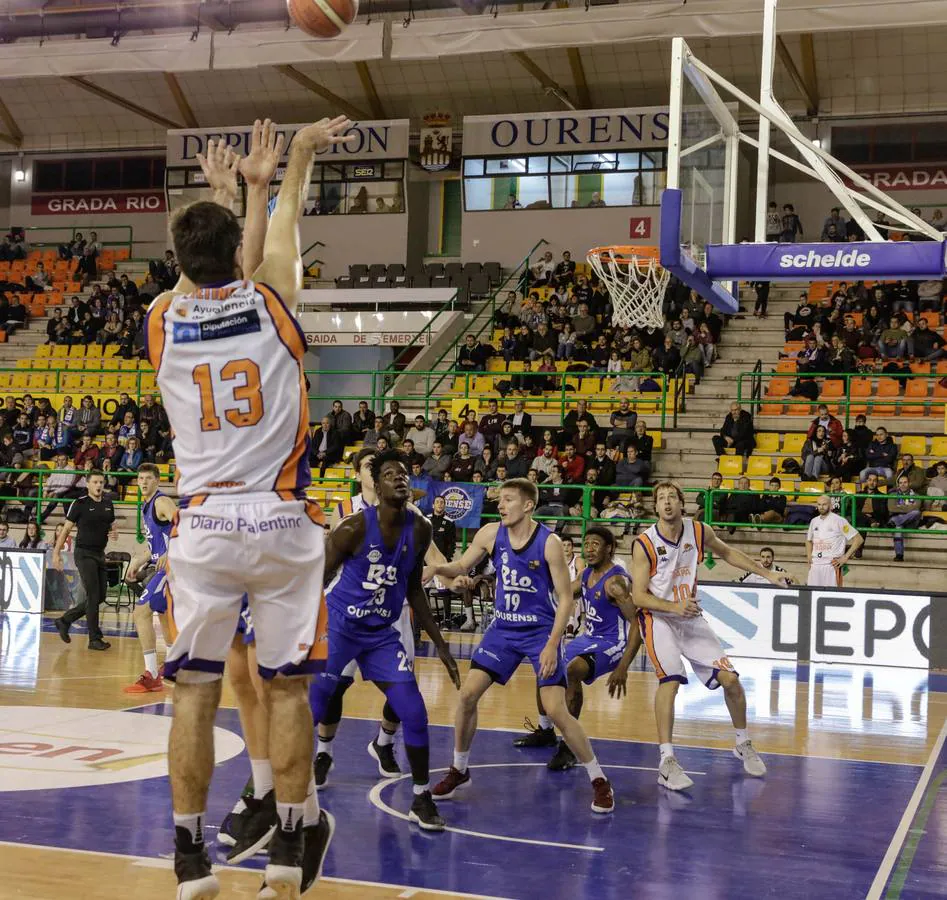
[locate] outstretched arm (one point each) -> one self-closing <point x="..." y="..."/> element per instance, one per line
<point x="418" y="600"/>
<point x="258" y="169"/>
<point x="480" y="546"/>
<point x="282" y="265"/>
<point x="739" y="559"/>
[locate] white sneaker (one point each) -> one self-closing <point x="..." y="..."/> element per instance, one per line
<point x="672" y="776"/>
<point x="752" y="764"/>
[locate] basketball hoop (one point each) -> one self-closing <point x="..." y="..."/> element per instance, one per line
<point x="635" y="281"/>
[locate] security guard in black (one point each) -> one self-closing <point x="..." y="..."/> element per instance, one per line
<point x="93" y="516"/>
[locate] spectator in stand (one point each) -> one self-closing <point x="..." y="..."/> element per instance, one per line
<point x="916" y="476"/>
<point x="7" y="451"/>
<point x="88" y="262"/>
<point x="128" y="289"/>
<point x="893" y="341"/>
<point x="849" y="459"/>
<point x="774" y="224"/>
<point x="840" y="358"/>
<point x="377" y="433"/>
<point x="667" y="358"/>
<point x="542" y="271"/>
<point x="564" y="273"/>
<point x="570" y="424"/>
<point x="423" y="436"/>
<point x="341" y="420"/>
<point x="155" y="445"/>
<point x="23" y="434"/>
<point x="517" y="464"/>
<point x="677" y="333"/>
<point x="542" y="341"/>
<point x="395" y="422"/>
<point x="834" y="222"/>
<point x="643" y="441"/>
<point x="6" y="542"/>
<point x="800" y="322"/>
<point x="791" y="226"/>
<point x="111" y="332"/>
<point x="363" y="421"/>
<point x="872" y="512"/>
<point x="693" y="358"/>
<point x="741" y="506"/>
<point x="716" y="480"/>
<point x="567" y="341"/>
<point x="505" y="436"/>
<point x="632" y="471"/>
<point x="832" y="425"/>
<point x="762" y="298"/>
<point x="925" y="343"/>
<point x="128" y="429"/>
<point x="56" y="330"/>
<point x="462" y="465"/>
<point x="125" y="405"/>
<point x="522" y="420"/>
<point x="472" y="356"/>
<point x="444" y="532"/>
<point x="9" y="414"/>
<point x="833" y="235"/>
<point x="937" y="486"/>
<point x="40" y="280"/>
<point x="603" y="464"/>
<point x="713" y="321"/>
<point x="149" y="290"/>
<point x="421" y="485"/>
<point x="737" y="433"/>
<point x="472" y="437"/>
<point x="132" y="458"/>
<point x="623" y="422"/>
<point x="59" y="487"/>
<point x="880" y="456"/>
<point x="410" y="453"/>
<point x="904" y="511"/>
<point x="327" y="446"/>
<point x="491" y="423"/>
<point x="438" y="464"/>
<point x="584" y="323"/>
<point x="486" y="464"/>
<point x="546" y="462"/>
<point x="772" y="506"/>
<point x="111" y="451"/>
<point x="571" y="464"/>
<point x="154" y="414"/>
<point x="451" y="439"/>
<point x="861" y="433"/>
<point x="596" y="202"/>
<point x="88" y="418"/>
<point x="584" y="441"/>
<point x="817" y="453"/>
<point x="640" y="357"/>
<point x="16" y="315"/>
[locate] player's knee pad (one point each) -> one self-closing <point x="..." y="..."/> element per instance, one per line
<point x="389" y="714"/>
<point x="406" y="701"/>
<point x="333" y="713"/>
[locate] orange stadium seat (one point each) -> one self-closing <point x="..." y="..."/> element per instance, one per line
<point x="859" y="388"/>
<point x="887" y="387"/>
<point x="914" y="393"/>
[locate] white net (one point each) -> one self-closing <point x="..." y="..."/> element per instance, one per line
<point x="635" y="281"/>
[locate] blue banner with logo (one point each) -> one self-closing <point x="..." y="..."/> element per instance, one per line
<point x="862" y="260"/>
<point x="464" y="502"/>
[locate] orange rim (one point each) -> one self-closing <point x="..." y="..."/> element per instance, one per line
<point x="629" y="253"/>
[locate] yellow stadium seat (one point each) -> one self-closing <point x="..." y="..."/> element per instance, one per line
<point x="5" y="378"/>
<point x="72" y="383"/>
<point x="767" y="442"/>
<point x="110" y="350"/>
<point x="127" y="382"/>
<point x="759" y="466"/>
<point x="730" y="465"/>
<point x="792" y="443"/>
<point x="41" y="365"/>
<point x="939" y="446"/>
<point x="94" y="350"/>
<point x="77" y="351"/>
<point x="109" y="383"/>
<point x="148" y="384"/>
<point x="44" y="350"/>
<point x="43" y="382"/>
<point x="758" y="486"/>
<point x="20" y="381"/>
<point x="727" y="484"/>
<point x="915" y="444"/>
<point x="24" y="364"/>
<point x="658" y="439"/>
<point x="74" y="365"/>
<point x="128" y="365"/>
<point x="812" y="487"/>
<point x="60" y="351"/>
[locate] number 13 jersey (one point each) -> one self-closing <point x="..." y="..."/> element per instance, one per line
<point x="229" y="364"/>
<point x="674" y="566"/>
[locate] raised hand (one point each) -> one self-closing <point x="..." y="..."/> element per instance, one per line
<point x="220" y="167"/>
<point x="323" y="133"/>
<point x="266" y="149"/>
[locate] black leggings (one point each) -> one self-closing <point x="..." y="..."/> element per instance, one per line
<point x="94" y="577"/>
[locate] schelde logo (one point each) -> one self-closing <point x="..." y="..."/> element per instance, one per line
<point x="458" y="503"/>
<point x="815" y="259"/>
<point x="47" y="748"/>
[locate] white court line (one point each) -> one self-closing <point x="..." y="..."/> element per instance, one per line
<point x="375" y="796"/>
<point x="149" y="862"/>
<point x="894" y="848"/>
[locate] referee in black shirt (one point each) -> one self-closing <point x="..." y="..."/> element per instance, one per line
<point x="94" y="518"/>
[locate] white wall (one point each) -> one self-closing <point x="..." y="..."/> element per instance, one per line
<point x="367" y="238"/>
<point x="506" y="236"/>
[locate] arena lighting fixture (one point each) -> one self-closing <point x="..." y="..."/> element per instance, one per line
<point x="816" y="142"/>
<point x="19" y="173"/>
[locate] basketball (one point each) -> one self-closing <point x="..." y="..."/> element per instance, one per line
<point x="323" y="18"/>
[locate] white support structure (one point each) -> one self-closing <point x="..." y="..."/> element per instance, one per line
<point x="766" y="98"/>
<point x="676" y="113"/>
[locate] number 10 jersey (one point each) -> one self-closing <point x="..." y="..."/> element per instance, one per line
<point x="674" y="565"/>
<point x="229" y="364"/>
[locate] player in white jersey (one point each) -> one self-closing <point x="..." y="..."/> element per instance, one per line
<point x="228" y="357"/>
<point x="665" y="560"/>
<point x="826" y="540"/>
<point x="768" y="562"/>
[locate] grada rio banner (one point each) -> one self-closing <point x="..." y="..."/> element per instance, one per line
<point x="123" y="203"/>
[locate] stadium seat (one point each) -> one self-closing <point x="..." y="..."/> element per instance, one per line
<point x="767" y="442"/>
<point x="778" y="387"/>
<point x="887" y="387"/>
<point x="792" y="443"/>
<point x="493" y="271"/>
<point x="759" y="466"/>
<point x="730" y="465"/>
<point x="915" y="444"/>
<point x="44" y="350"/>
<point x="939" y="446"/>
<point x="916" y="396"/>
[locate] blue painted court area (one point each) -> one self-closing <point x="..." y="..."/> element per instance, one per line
<point x="813" y="828"/>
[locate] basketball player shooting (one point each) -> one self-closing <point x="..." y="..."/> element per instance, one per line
<point x="665" y="560"/>
<point x="374" y="562"/>
<point x="534" y="603"/>
<point x="229" y="362"/>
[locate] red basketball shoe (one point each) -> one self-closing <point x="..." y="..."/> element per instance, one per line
<point x="146" y="684"/>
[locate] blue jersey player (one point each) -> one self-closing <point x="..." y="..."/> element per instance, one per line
<point x="374" y="561"/>
<point x="147" y="572"/>
<point x="534" y="603"/>
<point x="611" y="638"/>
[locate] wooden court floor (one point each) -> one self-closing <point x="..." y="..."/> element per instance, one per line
<point x="841" y="715"/>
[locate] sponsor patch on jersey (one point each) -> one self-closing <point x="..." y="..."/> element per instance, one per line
<point x="662" y="551"/>
<point x="234" y="325"/>
<point x="534" y="563"/>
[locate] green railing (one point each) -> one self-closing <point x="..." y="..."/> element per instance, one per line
<point x="422" y="339"/>
<point x="312" y="262"/>
<point x="751" y="390"/>
<point x="125" y="239"/>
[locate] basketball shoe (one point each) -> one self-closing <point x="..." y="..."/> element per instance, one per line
<point x="603" y="800"/>
<point x="450" y="783"/>
<point x="752" y="764"/>
<point x="259" y="824"/>
<point x="564" y="759"/>
<point x="672" y="776"/>
<point x="146" y="684"/>
<point x="424" y="813"/>
<point x="321" y="768"/>
<point x="384" y="755"/>
<point x="316" y="840"/>
<point x="233" y="824"/>
<point x="196" y="880"/>
<point x="536" y="737"/>
<point x="284" y="873"/>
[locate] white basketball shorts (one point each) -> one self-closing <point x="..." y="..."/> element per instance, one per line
<point x="670" y="640"/>
<point x="270" y="547"/>
<point x="824" y="575"/>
